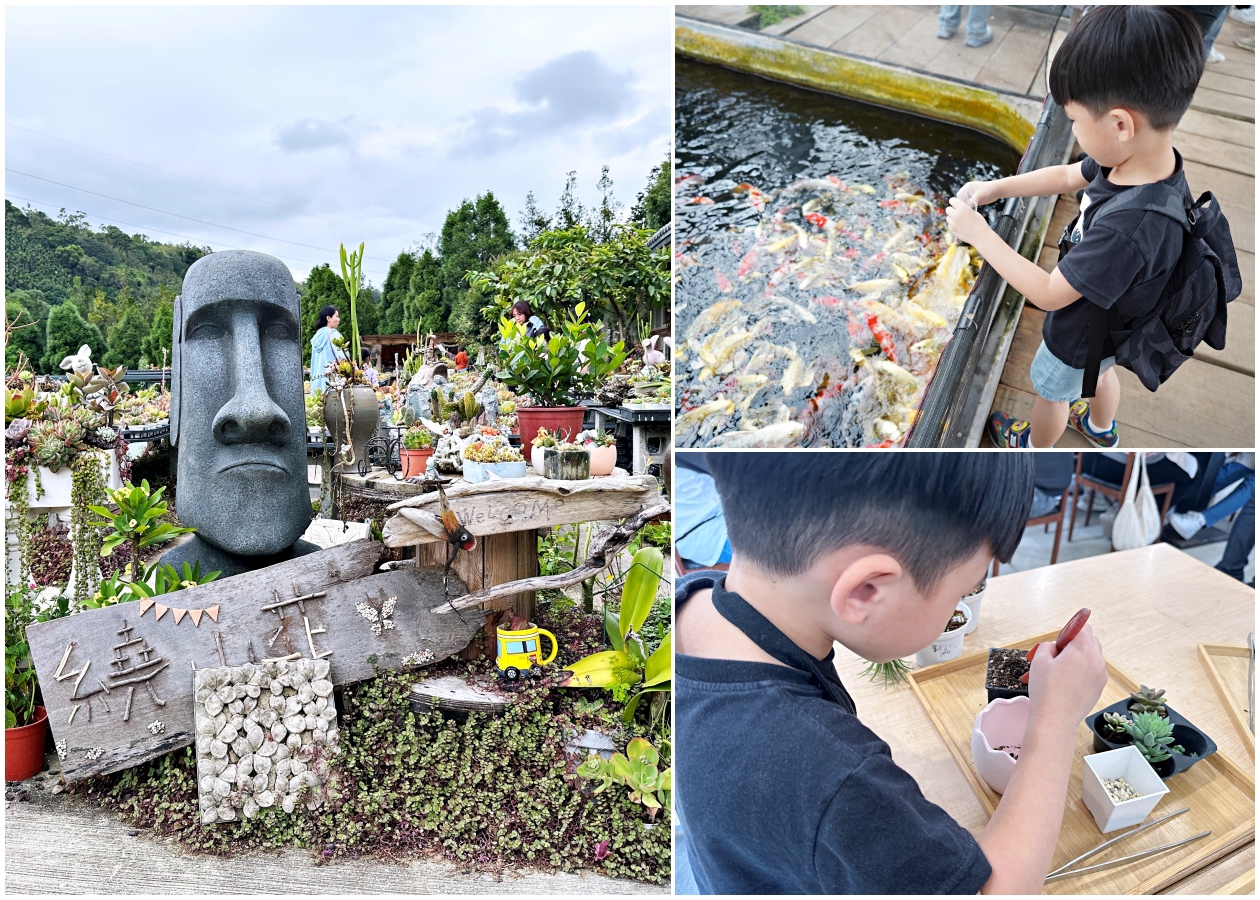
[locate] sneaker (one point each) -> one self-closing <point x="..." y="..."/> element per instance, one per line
<point x="1009" y="433"/>
<point x="1186" y="524"/>
<point x="1247" y="43"/>
<point x="944" y="32"/>
<point x="1246" y="15"/>
<point x="1078" y="419"/>
<point x="1215" y="56"/>
<point x="982" y="40"/>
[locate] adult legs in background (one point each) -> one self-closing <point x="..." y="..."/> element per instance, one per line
<point x="978" y="32"/>
<point x="1242" y="540"/>
<point x="1188" y="524"/>
<point x="1209" y="37"/>
<point x="947" y="21"/>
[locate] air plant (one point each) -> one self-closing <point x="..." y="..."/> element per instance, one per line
<point x="887" y="674"/>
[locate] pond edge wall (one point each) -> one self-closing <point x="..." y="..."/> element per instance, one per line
<point x="891" y="87"/>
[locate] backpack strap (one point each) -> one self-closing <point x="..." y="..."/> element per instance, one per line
<point x="1157" y="198"/>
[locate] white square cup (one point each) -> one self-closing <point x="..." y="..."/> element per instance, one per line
<point x="1129" y="764"/>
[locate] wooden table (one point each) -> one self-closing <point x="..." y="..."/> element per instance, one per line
<point x="1151" y="607"/>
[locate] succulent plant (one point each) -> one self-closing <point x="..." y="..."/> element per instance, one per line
<point x="457" y="411"/>
<point x="1152" y="733"/>
<point x="1115" y="724"/>
<point x="1147" y="700"/>
<point x="55" y="443"/>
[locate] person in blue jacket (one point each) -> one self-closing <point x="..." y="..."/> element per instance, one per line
<point x="323" y="351"/>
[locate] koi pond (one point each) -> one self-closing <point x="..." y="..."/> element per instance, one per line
<point x="816" y="278"/>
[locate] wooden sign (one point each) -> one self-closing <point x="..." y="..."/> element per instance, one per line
<point x="521" y="504"/>
<point x="118" y="682"/>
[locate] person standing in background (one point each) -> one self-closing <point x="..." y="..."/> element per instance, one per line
<point x="978" y="31"/>
<point x="323" y="350"/>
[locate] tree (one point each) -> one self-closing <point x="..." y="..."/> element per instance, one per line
<point x="27" y="313"/>
<point x="67" y="332"/>
<point x="533" y="220"/>
<point x="604" y="219"/>
<point x="323" y="287"/>
<point x="653" y="207"/>
<point x="472" y="236"/>
<point x="570" y="213"/>
<point x="126" y="339"/>
<point x="423" y="309"/>
<point x="394" y="293"/>
<point x="162" y="331"/>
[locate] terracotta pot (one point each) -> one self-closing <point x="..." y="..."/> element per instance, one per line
<point x="562" y="420"/>
<point x="364" y="412"/>
<point x="24" y="748"/>
<point x="603" y="460"/>
<point x="415" y="462"/>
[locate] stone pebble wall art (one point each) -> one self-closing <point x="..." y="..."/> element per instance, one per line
<point x="265" y="735"/>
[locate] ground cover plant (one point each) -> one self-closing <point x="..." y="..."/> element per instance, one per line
<point x="489" y="793"/>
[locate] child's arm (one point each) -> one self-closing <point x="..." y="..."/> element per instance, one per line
<point x="1045" y="290"/>
<point x="1020" y="839"/>
<point x="1038" y="183"/>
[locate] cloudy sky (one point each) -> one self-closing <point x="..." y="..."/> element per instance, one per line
<point x="302" y="127"/>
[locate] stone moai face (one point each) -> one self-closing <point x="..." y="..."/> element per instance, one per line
<point x="237" y="410"/>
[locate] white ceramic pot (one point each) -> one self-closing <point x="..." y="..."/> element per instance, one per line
<point x="947" y="646"/>
<point x="1125" y="763"/>
<point x="536" y="459"/>
<point x="1000" y="724"/>
<point x="973" y="601"/>
<point x="603" y="460"/>
<point x="57" y="484"/>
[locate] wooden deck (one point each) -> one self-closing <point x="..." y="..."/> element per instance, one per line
<point x="1210" y="402"/>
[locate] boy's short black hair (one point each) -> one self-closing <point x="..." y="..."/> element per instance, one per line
<point x="931" y="511"/>
<point x="1143" y="58"/>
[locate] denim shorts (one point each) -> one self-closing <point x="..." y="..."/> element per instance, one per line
<point x="1055" y="380"/>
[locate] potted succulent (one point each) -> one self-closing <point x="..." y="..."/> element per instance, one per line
<point x="949" y="644"/>
<point x="25" y="723"/>
<point x="485" y="459"/>
<point x="603" y="448"/>
<point x="997" y="737"/>
<point x="417" y="447"/>
<point x="557" y="373"/>
<point x="542" y="440"/>
<point x="567" y="462"/>
<point x="1120" y="788"/>
<point x="1167" y="740"/>
<point x="351" y="413"/>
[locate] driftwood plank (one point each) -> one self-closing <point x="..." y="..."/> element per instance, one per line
<point x="118" y="682"/>
<point x="519" y="504"/>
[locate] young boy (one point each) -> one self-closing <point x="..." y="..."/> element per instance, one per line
<point x="780" y="787"/>
<point x="1125" y="75"/>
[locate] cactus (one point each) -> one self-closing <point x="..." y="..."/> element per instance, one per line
<point x="408" y="416"/>
<point x="458" y="411"/>
<point x="1147" y="700"/>
<point x="1115" y="724"/>
<point x="1152" y="733"/>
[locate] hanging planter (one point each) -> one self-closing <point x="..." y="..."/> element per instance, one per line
<point x="351" y="414"/>
<point x="57" y="486"/>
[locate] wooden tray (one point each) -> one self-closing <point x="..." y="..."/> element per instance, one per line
<point x="1219" y="793"/>
<point x="1243" y="884"/>
<point x="1227" y="669"/>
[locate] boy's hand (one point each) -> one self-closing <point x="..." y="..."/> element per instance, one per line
<point x="977" y="193"/>
<point x="1063" y="689"/>
<point x="964" y="222"/>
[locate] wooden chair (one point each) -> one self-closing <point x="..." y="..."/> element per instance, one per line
<point x="1052" y="518"/>
<point x="1097" y="485"/>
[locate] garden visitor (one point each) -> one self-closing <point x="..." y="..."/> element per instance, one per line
<point x="1240" y="469"/>
<point x="524" y="315"/>
<point x="323" y="351"/>
<point x="780" y="787"/>
<point x="1210" y="19"/>
<point x="461" y="360"/>
<point x="978" y="31"/>
<point x="1124" y="110"/>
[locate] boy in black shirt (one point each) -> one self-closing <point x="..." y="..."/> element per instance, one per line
<point x="780" y="787"/>
<point x="1125" y="75"/>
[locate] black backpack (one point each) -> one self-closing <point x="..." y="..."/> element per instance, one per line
<point x="1191" y="308"/>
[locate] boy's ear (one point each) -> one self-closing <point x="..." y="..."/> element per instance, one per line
<point x="864" y="584"/>
<point x="1123" y="123"/>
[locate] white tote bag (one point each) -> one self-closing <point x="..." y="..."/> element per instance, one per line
<point x="1137" y="523"/>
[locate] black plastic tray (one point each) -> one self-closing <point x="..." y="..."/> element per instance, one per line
<point x="1184" y="733"/>
<point x="997" y="693"/>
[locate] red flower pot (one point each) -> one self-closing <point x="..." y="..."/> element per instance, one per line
<point x="24" y="748"/>
<point x="414" y="462"/>
<point x="562" y="420"/>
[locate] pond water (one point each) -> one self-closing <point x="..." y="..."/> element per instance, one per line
<point x="816" y="280"/>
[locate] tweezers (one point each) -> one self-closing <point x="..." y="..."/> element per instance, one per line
<point x="1251" y="682"/>
<point x="1062" y="872"/>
